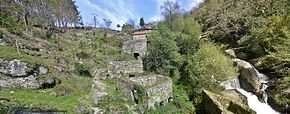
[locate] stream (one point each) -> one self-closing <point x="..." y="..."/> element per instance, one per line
<point x="253" y="101"/>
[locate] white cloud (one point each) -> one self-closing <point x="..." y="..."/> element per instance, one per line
<point x="193" y="3"/>
<point x="118" y="11"/>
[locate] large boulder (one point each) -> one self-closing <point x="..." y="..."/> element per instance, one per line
<point x="235" y="95"/>
<point x="18" y="74"/>
<point x="15" y="68"/>
<point x="218" y="104"/>
<point x="249" y="77"/>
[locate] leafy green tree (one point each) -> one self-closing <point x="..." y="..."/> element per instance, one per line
<point x="163" y="52"/>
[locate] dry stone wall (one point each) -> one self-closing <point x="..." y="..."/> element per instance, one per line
<point x="157" y="89"/>
<point x="117" y="69"/>
<point x="136" y="45"/>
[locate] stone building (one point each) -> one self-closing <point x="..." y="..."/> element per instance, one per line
<point x="147" y="90"/>
<point x="137" y="45"/>
<point x="117" y="69"/>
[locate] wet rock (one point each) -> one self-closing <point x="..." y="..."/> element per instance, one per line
<point x="249" y="77"/>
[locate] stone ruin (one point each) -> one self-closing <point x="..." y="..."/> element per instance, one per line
<point x="117" y="69"/>
<point x="137" y="46"/>
<point x="147" y="90"/>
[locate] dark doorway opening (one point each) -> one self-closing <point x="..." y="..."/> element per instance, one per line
<point x="131" y="75"/>
<point x="136" y="55"/>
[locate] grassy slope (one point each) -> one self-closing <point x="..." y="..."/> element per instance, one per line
<point x="77" y="87"/>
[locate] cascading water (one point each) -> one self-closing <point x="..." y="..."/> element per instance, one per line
<point x="253" y="101"/>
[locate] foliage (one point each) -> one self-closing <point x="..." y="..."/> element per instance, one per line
<point x="227" y="21"/>
<point x="271" y="36"/>
<point x="10" y="23"/>
<point x="82" y="70"/>
<point x="205" y="69"/>
<point x="142" y="23"/>
<point x="163" y="52"/>
<point x="170" y="10"/>
<point x="180" y="104"/>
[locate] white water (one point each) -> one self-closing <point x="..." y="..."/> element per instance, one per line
<point x="253" y="101"/>
<point x="256" y="105"/>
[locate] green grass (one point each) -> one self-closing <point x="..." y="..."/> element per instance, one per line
<point x="42" y="99"/>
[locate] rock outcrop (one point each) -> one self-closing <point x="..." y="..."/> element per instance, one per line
<point x="14" y="68"/>
<point x="217" y="104"/>
<point x="17" y="74"/>
<point x="249" y="77"/>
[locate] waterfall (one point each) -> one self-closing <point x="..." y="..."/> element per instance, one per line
<point x="253" y="101"/>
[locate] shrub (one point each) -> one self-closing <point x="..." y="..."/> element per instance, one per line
<point x="10" y="23"/>
<point x="82" y="70"/>
<point x="205" y="69"/>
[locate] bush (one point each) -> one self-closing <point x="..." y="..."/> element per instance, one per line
<point x="82" y="70"/>
<point x="10" y="23"/>
<point x="205" y="69"/>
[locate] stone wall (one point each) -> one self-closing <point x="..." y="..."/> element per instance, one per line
<point x="157" y="89"/>
<point x="117" y="69"/>
<point x="136" y="45"/>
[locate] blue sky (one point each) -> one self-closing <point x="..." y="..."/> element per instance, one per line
<point x="120" y="11"/>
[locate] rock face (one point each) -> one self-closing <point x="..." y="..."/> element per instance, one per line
<point x="147" y="90"/>
<point x="235" y="95"/>
<point x="15" y="74"/>
<point x="14" y="68"/>
<point x="217" y="104"/>
<point x="249" y="78"/>
<point x="7" y="82"/>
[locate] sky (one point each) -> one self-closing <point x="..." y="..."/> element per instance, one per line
<point x="120" y="11"/>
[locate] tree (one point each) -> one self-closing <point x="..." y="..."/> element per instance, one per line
<point x="170" y="11"/>
<point x="163" y="53"/>
<point x="108" y="23"/>
<point x="118" y="25"/>
<point x="142" y="23"/>
<point x="96" y="21"/>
